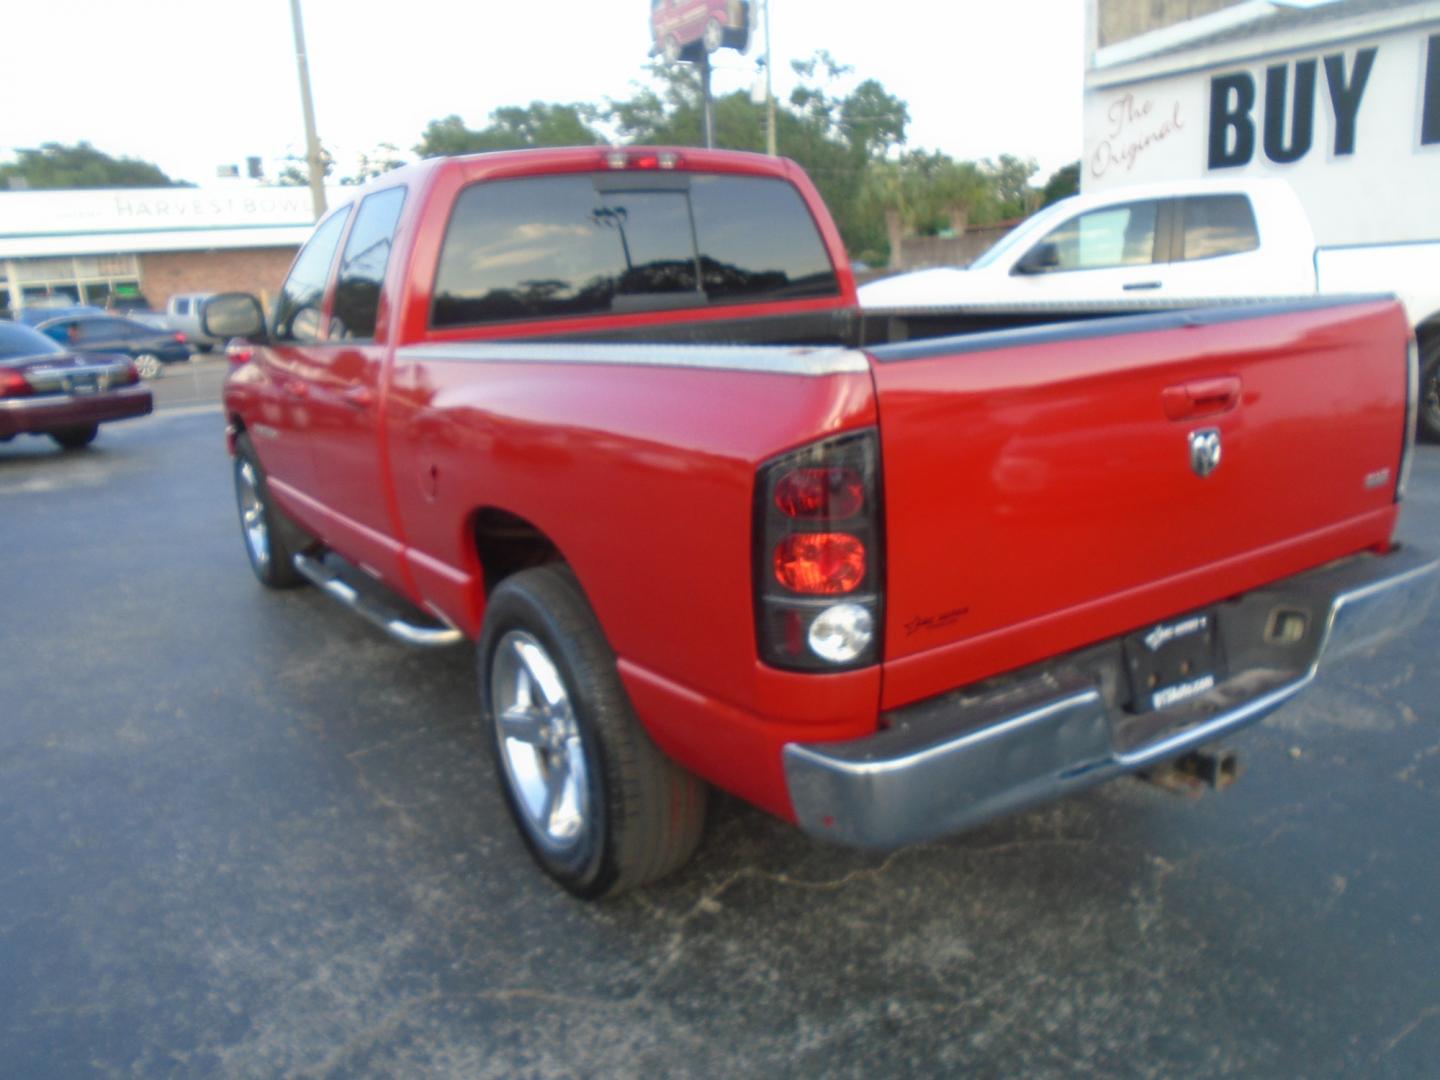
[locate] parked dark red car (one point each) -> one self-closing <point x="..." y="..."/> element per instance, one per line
<point x="47" y="390"/>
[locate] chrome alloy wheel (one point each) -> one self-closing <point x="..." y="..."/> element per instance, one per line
<point x="540" y="742"/>
<point x="252" y="513"/>
<point x="149" y="366"/>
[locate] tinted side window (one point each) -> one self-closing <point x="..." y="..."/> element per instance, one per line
<point x="576" y="245"/>
<point x="362" y="267"/>
<point x="1111" y="236"/>
<point x="297" y="312"/>
<point x="1218" y="225"/>
<point x="182" y="306"/>
<point x="91" y="330"/>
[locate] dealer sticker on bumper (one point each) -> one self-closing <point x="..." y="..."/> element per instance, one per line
<point x="1173" y="695"/>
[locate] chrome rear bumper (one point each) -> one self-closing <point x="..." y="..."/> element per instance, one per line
<point x="964" y="758"/>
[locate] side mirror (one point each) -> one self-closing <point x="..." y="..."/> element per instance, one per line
<point x="232" y="315"/>
<point x="1040" y="259"/>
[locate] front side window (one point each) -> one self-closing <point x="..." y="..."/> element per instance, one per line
<point x="552" y="246"/>
<point x="297" y="312"/>
<point x="1109" y="237"/>
<point x="1218" y="225"/>
<point x="89" y="331"/>
<point x="362" y="267"/>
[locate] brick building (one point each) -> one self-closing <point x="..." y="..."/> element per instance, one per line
<point x="100" y="247"/>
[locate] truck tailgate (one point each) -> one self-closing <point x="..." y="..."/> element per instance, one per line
<point x="1042" y="492"/>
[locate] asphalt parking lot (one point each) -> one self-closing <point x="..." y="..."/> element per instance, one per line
<point x="243" y="834"/>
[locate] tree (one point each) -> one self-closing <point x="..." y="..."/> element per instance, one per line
<point x="1010" y="178"/>
<point x="377" y="162"/>
<point x="55" y="166"/>
<point x="873" y="121"/>
<point x="1062" y="184"/>
<point x="512" y="128"/>
<point x="296" y="172"/>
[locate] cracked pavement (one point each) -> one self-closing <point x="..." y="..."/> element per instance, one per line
<point x="242" y="834"/>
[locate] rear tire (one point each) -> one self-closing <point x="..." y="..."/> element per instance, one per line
<point x="599" y="807"/>
<point x="149" y="366"/>
<point x="76" y="438"/>
<point x="270" y="538"/>
<point x="1429" y="420"/>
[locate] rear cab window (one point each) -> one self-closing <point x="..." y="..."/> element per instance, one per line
<point x="586" y="244"/>
<point x="1214" y="225"/>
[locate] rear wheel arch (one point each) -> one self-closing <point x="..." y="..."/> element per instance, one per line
<point x="506" y="543"/>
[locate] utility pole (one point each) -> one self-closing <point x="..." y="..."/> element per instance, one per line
<point x="708" y="101"/>
<point x="314" y="159"/>
<point x="769" y="90"/>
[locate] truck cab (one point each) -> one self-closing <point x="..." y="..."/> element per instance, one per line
<point x="1194" y="241"/>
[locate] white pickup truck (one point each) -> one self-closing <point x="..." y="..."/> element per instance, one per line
<point x="1179" y="243"/>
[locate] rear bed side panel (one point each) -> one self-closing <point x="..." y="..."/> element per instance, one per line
<point x="1040" y="498"/>
<point x="643" y="477"/>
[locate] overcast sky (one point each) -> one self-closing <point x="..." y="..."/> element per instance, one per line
<point x="190" y="84"/>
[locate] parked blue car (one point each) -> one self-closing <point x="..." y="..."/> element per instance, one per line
<point x="149" y="348"/>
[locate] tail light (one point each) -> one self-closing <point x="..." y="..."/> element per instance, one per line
<point x="13" y="384"/>
<point x="237" y="352"/>
<point x="179" y="338"/>
<point x="643" y="159"/>
<point x="131" y="375"/>
<point x="819" y="558"/>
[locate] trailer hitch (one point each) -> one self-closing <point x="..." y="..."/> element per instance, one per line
<point x="1189" y="775"/>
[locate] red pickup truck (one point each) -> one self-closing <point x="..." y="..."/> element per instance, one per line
<point x="615" y="415"/>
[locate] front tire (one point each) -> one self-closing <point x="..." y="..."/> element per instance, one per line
<point x="269" y="537"/>
<point x="1430" y="388"/>
<point x="714" y="36"/>
<point x="599" y="807"/>
<point x="76" y="438"/>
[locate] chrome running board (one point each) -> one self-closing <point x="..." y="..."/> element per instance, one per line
<point x="377" y="606"/>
